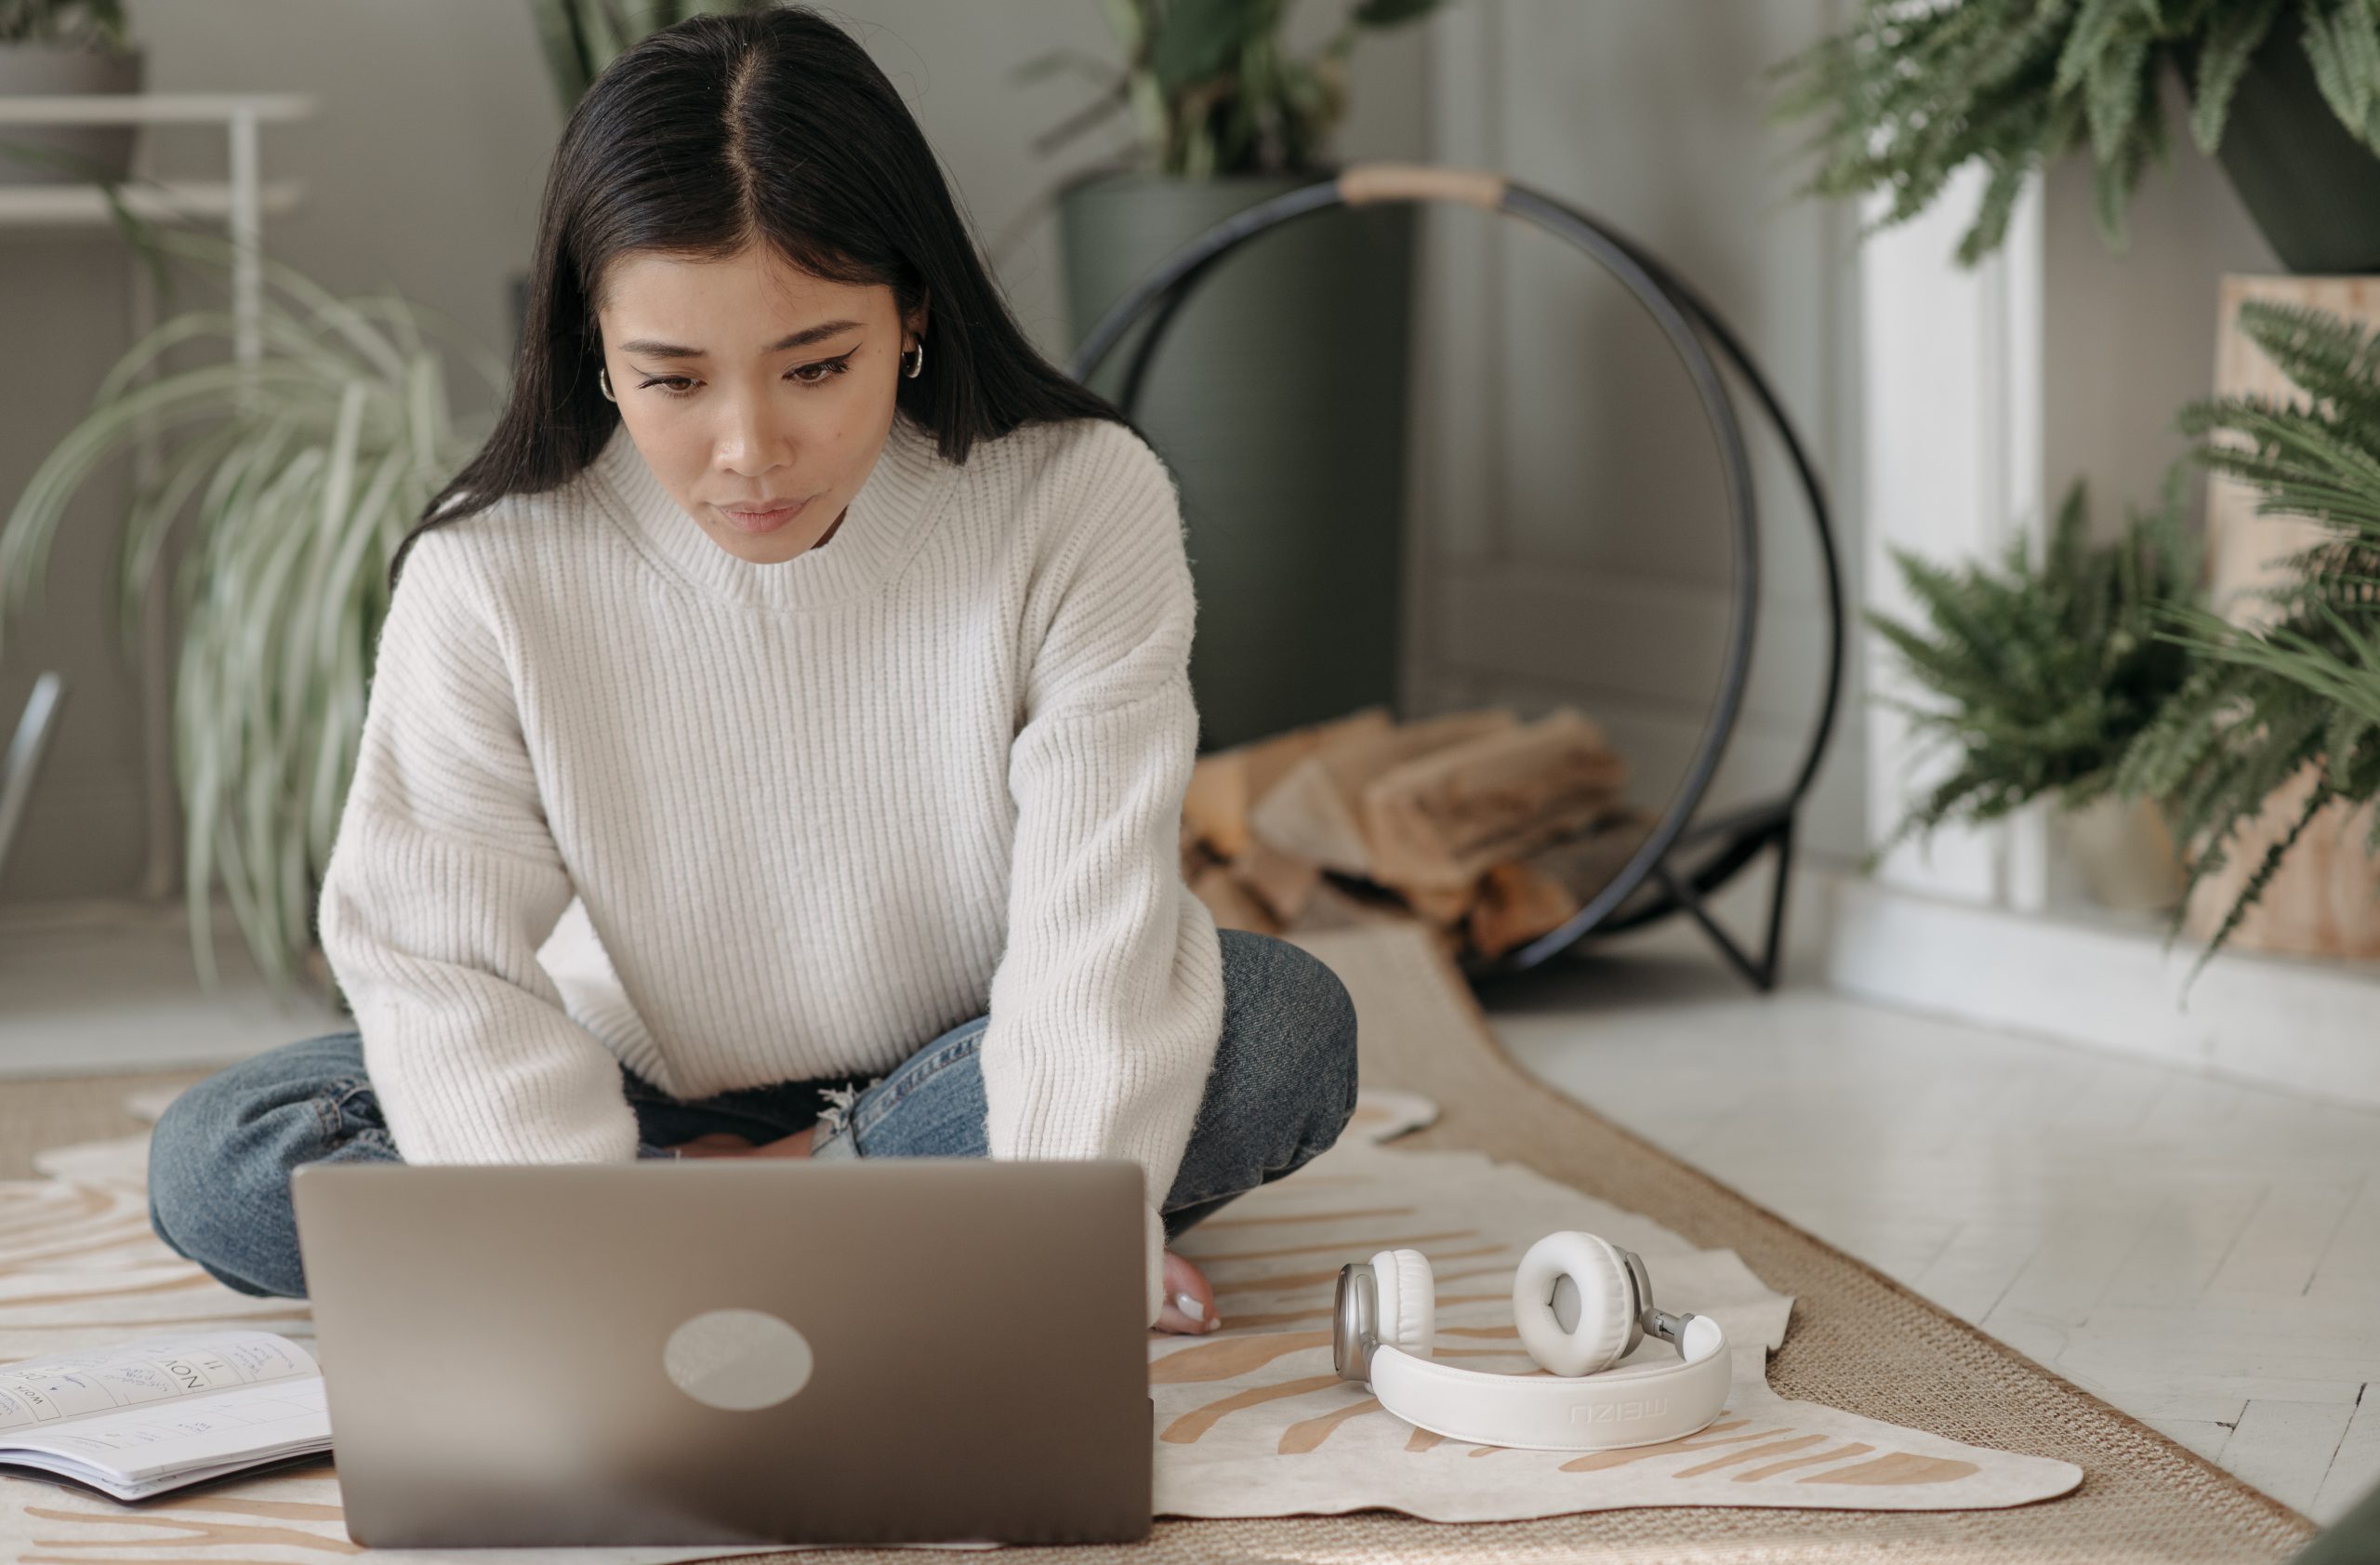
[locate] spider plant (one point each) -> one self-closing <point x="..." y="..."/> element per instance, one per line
<point x="307" y="466"/>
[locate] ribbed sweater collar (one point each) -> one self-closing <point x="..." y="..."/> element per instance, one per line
<point x="888" y="518"/>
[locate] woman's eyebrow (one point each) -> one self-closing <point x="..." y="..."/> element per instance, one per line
<point x="801" y="339"/>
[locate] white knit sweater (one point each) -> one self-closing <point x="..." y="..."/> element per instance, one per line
<point x="817" y="811"/>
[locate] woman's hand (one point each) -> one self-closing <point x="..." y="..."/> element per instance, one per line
<point x="1184" y="1280"/>
<point x="727" y="1144"/>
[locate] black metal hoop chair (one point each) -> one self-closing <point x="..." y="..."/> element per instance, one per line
<point x="1725" y="844"/>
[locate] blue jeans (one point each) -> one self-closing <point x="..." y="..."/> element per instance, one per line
<point x="1282" y="1087"/>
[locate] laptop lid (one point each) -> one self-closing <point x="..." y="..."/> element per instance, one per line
<point x="732" y="1350"/>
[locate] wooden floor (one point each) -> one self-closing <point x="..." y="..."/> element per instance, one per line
<point x="2202" y="1254"/>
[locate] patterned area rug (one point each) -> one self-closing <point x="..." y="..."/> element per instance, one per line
<point x="1879" y="1423"/>
<point x="1252" y="1421"/>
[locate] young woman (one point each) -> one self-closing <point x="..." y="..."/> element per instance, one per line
<point x="843" y="684"/>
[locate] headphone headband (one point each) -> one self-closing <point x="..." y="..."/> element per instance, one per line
<point x="1639" y="1405"/>
<point x="1580" y="1304"/>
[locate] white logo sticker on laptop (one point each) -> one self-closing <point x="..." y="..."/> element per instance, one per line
<point x="738" y="1358"/>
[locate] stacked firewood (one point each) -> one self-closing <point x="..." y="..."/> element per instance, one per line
<point x="1489" y="830"/>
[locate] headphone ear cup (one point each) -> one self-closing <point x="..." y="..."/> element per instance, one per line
<point x="1407" y="1300"/>
<point x="1606" y="1302"/>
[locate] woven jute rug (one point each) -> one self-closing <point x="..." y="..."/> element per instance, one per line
<point x="1856" y="1341"/>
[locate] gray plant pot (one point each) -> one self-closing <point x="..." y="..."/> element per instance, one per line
<point x="2312" y="188"/>
<point x="1277" y="396"/>
<point x="67" y="153"/>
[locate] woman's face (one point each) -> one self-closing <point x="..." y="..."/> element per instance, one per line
<point x="750" y="386"/>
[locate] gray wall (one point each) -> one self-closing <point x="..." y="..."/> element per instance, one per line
<point x="1564" y="505"/>
<point x="423" y="168"/>
<point x="1577" y="524"/>
<point x="2129" y="337"/>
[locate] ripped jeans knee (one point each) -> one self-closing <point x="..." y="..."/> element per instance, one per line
<point x="835" y="1135"/>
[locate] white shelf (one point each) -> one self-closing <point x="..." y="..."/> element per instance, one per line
<point x="154" y="108"/>
<point x="238" y="201"/>
<point x="69" y="205"/>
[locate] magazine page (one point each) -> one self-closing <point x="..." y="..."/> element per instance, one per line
<point x="53" y="1389"/>
<point x="135" y="1452"/>
<point x="134" y="1418"/>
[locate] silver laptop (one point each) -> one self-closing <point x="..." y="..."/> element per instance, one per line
<point x="732" y="1350"/>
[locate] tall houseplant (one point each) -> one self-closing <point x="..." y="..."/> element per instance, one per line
<point x="1210" y="89"/>
<point x="1278" y="395"/>
<point x="2296" y="698"/>
<point x="2041" y="674"/>
<point x="1910" y="94"/>
<point x="580" y="37"/>
<point x="300" y="473"/>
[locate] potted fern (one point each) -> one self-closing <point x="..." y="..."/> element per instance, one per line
<point x="2285" y="94"/>
<point x="2042" y="674"/>
<point x="2282" y="718"/>
<point x="300" y="473"/>
<point x="1279" y="395"/>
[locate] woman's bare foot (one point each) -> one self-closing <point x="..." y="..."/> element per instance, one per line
<point x="1183" y="1282"/>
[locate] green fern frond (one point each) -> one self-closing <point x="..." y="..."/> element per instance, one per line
<point x="2041" y="675"/>
<point x="2342" y="43"/>
<point x="1907" y="94"/>
<point x="2234" y="34"/>
<point x="2267" y="868"/>
<point x="2303" y="690"/>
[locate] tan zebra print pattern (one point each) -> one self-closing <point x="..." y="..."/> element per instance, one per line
<point x="1250" y="1421"/>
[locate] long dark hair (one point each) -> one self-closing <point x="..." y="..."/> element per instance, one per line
<point x="774" y="126"/>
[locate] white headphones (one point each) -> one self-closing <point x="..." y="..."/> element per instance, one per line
<point x="1581" y="1303"/>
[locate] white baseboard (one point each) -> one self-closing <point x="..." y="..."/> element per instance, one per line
<point x="2305" y="1025"/>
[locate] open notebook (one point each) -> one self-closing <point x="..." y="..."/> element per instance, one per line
<point x="134" y="1419"/>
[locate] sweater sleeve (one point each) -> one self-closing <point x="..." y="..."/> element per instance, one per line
<point x="442" y="883"/>
<point x="1108" y="1002"/>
